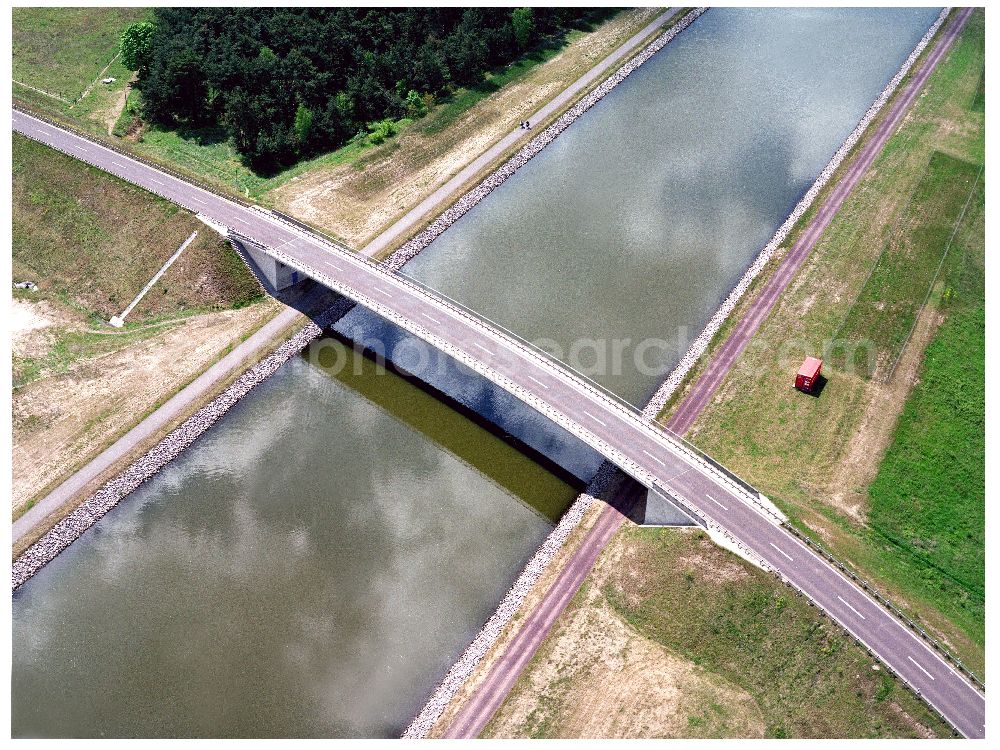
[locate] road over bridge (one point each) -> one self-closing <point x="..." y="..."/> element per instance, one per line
<point x="729" y="508"/>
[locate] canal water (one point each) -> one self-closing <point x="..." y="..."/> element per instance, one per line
<point x="627" y="232"/>
<point x="309" y="568"/>
<point x="316" y="561"/>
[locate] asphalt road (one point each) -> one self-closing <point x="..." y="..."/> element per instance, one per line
<point x="966" y="707"/>
<point x="635" y="445"/>
<point x="704" y="389"/>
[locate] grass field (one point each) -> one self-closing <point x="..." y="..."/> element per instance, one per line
<point x="61" y="50"/>
<point x="747" y="657"/>
<point x="91" y="242"/>
<point x="887" y="308"/>
<point x="866" y="281"/>
<point x="927" y="503"/>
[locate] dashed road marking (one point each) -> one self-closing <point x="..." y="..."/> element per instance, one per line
<point x="725" y="508"/>
<point x="781" y="551"/>
<point x="476" y="343"/>
<point x="431" y="318"/>
<point x="332" y="265"/>
<point x="920" y="667"/>
<point x="158" y="182"/>
<point x="653" y="457"/>
<point x="599" y="421"/>
<point x="119" y="164"/>
<point x="198" y="200"/>
<point x="536" y="380"/>
<point x="384" y="291"/>
<point x="848" y="605"/>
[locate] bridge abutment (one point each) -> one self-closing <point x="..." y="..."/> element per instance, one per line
<point x="655" y="509"/>
<point x="274" y="274"/>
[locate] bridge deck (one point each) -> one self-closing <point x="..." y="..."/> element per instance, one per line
<point x="642" y="449"/>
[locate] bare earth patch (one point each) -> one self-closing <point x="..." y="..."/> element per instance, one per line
<point x="357" y="203"/>
<point x="59" y="420"/>
<point x="29" y="322"/>
<point x="598" y="678"/>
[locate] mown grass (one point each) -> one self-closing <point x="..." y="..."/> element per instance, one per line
<point x="927" y="503"/>
<point x="817" y="457"/>
<point x="92" y="241"/>
<point x="61" y="50"/>
<point x="886" y="310"/>
<point x="208" y="153"/>
<point x="808" y="678"/>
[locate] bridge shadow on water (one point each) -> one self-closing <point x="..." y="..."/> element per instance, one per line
<point x="467" y="395"/>
<point x="454" y="441"/>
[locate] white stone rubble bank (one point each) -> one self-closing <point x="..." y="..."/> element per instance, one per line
<point x="700" y="344"/>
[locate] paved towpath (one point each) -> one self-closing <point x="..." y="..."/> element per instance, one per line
<point x="443" y="193"/>
<point x="480" y="707"/>
<point x="250" y="347"/>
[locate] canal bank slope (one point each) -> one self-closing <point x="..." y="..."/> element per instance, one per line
<point x="288" y="323"/>
<point x="479" y="698"/>
<point x="903" y="256"/>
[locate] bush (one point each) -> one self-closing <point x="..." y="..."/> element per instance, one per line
<point x="416" y="105"/>
<point x="380" y="131"/>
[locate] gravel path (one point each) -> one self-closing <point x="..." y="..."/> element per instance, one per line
<point x="480" y="707"/>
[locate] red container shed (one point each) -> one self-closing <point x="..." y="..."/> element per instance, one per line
<point x="808" y="374"/>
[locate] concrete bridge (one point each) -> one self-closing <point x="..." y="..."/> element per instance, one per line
<point x="733" y="512"/>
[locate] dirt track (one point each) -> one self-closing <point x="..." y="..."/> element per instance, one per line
<point x="478" y="710"/>
<point x="704" y="389"/>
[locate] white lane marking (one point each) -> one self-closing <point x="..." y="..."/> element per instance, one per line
<point x="119" y="164"/>
<point x="431" y="318"/>
<point x="781" y="551"/>
<point x="881" y="613"/>
<point x="536" y="380"/>
<point x="725" y="508"/>
<point x="653" y="457"/>
<point x="476" y="343"/>
<point x="920" y="667"/>
<point x="158" y="182"/>
<point x="384" y="291"/>
<point x="595" y="418"/>
<point x="848" y="605"/>
<point x="198" y="200"/>
<point x="332" y="265"/>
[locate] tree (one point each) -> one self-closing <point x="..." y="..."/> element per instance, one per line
<point x="286" y="83"/>
<point x="415" y="104"/>
<point x="523" y="21"/>
<point x="303" y="124"/>
<point x="136" y="44"/>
